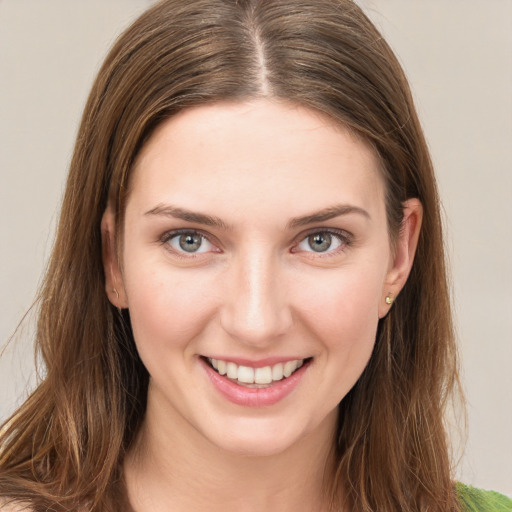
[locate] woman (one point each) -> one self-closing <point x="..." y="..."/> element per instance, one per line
<point x="246" y="305"/>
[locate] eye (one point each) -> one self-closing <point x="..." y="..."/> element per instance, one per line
<point x="322" y="242"/>
<point x="190" y="242"/>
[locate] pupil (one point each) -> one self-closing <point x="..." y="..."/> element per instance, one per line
<point x="190" y="243"/>
<point x="320" y="242"/>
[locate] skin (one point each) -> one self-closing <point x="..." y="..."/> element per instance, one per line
<point x="256" y="289"/>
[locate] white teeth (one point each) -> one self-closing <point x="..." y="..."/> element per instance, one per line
<point x="277" y="371"/>
<point x="249" y="375"/>
<point x="246" y="374"/>
<point x="232" y="370"/>
<point x="289" y="368"/>
<point x="222" y="367"/>
<point x="263" y="375"/>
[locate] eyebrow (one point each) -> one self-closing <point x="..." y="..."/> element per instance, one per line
<point x="189" y="216"/>
<point x="326" y="214"/>
<point x="210" y="220"/>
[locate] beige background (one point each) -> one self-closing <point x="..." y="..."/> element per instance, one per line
<point x="458" y="56"/>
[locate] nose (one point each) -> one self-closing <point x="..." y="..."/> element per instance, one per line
<point x="255" y="308"/>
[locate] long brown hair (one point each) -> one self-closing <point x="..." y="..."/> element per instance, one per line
<point x="64" y="447"/>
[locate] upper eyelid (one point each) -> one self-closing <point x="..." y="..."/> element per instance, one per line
<point x="342" y="233"/>
<point x="182" y="254"/>
<point x="183" y="231"/>
<point x="346" y="241"/>
<point x="169" y="235"/>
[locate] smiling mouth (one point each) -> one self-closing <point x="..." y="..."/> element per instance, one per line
<point x="255" y="377"/>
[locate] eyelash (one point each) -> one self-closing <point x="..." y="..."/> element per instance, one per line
<point x="167" y="237"/>
<point x="345" y="239"/>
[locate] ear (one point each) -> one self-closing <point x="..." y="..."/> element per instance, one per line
<point x="403" y="256"/>
<point x="113" y="277"/>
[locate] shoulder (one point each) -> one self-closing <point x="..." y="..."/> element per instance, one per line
<point x="478" y="500"/>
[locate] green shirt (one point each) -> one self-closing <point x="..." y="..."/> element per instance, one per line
<point x="477" y="500"/>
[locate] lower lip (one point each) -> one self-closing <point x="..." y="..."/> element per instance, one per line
<point x="254" y="397"/>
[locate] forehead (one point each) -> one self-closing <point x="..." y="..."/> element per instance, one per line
<point x="253" y="155"/>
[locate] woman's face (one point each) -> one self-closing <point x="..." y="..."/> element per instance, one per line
<point x="255" y="265"/>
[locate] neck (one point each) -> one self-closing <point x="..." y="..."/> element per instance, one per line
<point x="174" y="467"/>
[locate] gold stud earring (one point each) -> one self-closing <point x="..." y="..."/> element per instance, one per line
<point x="389" y="300"/>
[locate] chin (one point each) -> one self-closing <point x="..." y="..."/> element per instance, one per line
<point x="254" y="446"/>
<point x="260" y="437"/>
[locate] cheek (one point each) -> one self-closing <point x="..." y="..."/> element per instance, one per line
<point x="167" y="309"/>
<point x="346" y="296"/>
<point x="342" y="313"/>
<point x="343" y="319"/>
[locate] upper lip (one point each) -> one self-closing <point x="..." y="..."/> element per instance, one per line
<point x="256" y="363"/>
